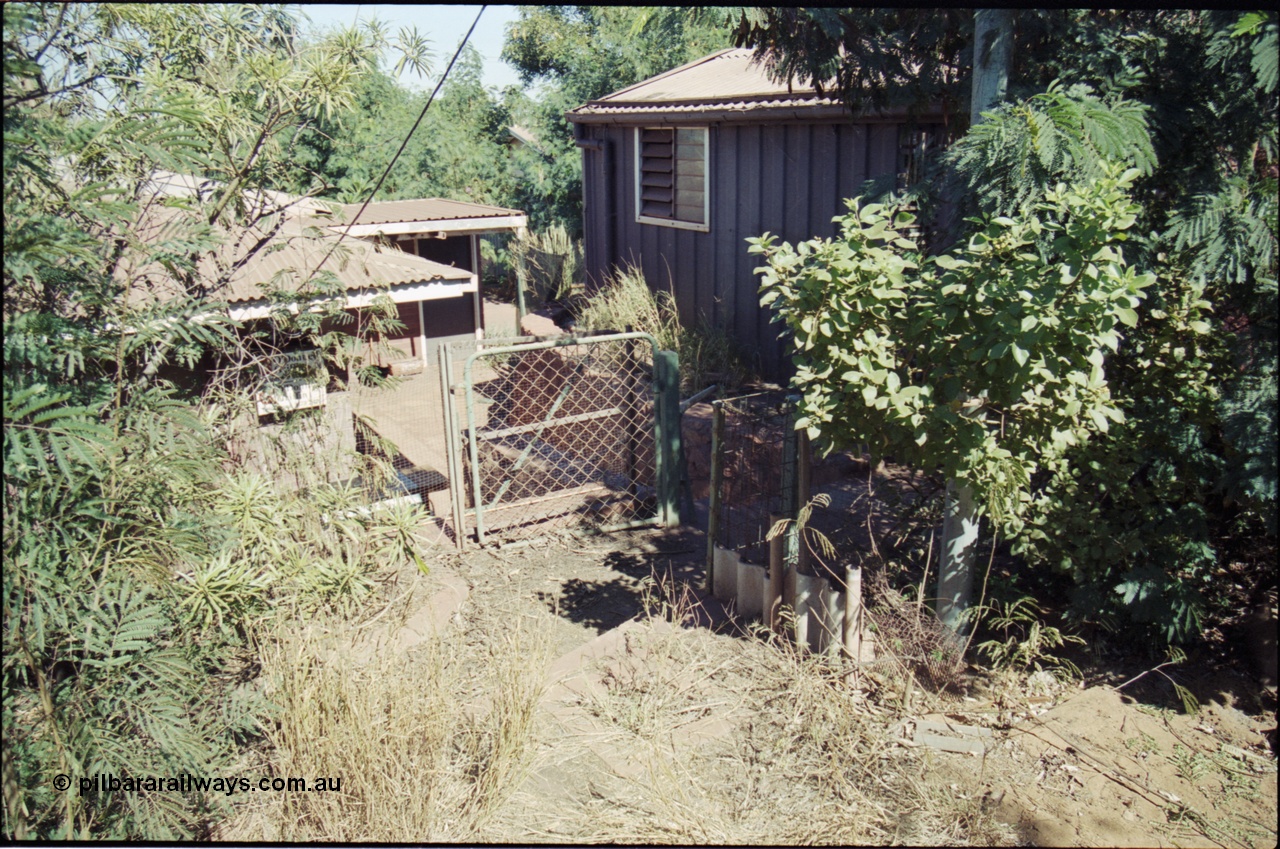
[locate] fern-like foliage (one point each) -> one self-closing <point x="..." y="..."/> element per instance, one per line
<point x="1065" y="134"/>
<point x="97" y="678"/>
<point x="1228" y="234"/>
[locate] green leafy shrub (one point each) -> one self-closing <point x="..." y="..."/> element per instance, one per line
<point x="986" y="363"/>
<point x="1147" y="513"/>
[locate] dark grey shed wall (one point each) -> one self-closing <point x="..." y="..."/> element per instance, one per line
<point x="789" y="179"/>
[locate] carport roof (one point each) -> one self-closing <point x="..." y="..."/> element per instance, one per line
<point x="285" y="258"/>
<point x="357" y="264"/>
<point x="423" y="209"/>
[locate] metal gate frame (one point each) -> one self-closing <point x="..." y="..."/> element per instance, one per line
<point x="666" y="421"/>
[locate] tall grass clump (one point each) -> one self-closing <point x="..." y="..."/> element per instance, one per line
<point x="426" y="746"/>
<point x="708" y="353"/>
<point x="550" y="261"/>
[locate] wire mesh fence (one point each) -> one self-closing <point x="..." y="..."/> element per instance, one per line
<point x="556" y="435"/>
<point x="403" y="423"/>
<point x="758" y="466"/>
<point x="508" y="438"/>
<point x="566" y="438"/>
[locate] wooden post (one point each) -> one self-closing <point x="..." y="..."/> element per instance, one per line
<point x="790" y="505"/>
<point x="713" y="497"/>
<point x="777" y="565"/>
<point x="803" y="477"/>
<point x="853" y="613"/>
<point x="959" y="543"/>
<point x="992" y="54"/>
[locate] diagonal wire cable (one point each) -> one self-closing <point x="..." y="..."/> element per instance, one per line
<point x="403" y="145"/>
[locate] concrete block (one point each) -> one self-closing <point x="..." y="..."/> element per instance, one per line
<point x="725" y="577"/>
<point x="407" y="367"/>
<point x="805" y="600"/>
<point x="952" y="737"/>
<point x="751" y="586"/>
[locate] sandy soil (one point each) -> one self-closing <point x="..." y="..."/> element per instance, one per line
<point x="692" y="730"/>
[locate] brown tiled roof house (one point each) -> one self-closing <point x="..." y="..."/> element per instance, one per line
<point x="422" y="253"/>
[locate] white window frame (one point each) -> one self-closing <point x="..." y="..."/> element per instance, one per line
<point x="706" y="182"/>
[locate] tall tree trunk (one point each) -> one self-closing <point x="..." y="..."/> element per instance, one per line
<point x="992" y="51"/>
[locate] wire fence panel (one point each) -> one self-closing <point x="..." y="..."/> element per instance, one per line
<point x="557" y="434"/>
<point x="757" y="471"/>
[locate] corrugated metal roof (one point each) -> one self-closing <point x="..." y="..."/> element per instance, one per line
<point x="287" y="259"/>
<point x="357" y="263"/>
<point x="424" y="209"/>
<point x="727" y="79"/>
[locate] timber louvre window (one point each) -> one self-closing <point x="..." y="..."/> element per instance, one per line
<point x="671" y="177"/>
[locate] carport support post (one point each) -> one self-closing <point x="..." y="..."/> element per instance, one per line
<point x="666" y="387"/>
<point x="521" y="308"/>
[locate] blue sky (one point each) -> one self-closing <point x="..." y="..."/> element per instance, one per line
<point x="444" y="25"/>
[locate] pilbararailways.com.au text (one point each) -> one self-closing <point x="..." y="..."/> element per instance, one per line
<point x="187" y="783"/>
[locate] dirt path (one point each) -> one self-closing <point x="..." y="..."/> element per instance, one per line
<point x="666" y="729"/>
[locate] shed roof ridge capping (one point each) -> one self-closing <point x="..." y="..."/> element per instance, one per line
<point x="804" y="95"/>
<point x="801" y="97"/>
<point x="711" y="57"/>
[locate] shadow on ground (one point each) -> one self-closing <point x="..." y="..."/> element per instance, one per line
<point x="605" y="603"/>
<point x="601" y="605"/>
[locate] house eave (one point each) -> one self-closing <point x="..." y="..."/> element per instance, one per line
<point x="754" y="114"/>
<point x="404" y="293"/>
<point x="457" y="227"/>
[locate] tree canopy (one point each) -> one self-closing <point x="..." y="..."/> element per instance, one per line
<point x="139" y="139"/>
<point x="1145" y="514"/>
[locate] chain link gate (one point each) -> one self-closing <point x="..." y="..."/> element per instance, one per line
<point x="573" y="432"/>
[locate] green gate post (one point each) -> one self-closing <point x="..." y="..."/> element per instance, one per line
<point x="666" y="388"/>
<point x="790" y="505"/>
<point x="453" y="448"/>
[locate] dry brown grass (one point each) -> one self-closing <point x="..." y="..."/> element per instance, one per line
<point x="808" y="759"/>
<point x="448" y="743"/>
<point x="427" y="743"/>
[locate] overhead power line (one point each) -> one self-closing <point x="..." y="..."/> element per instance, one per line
<point x="403" y="144"/>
